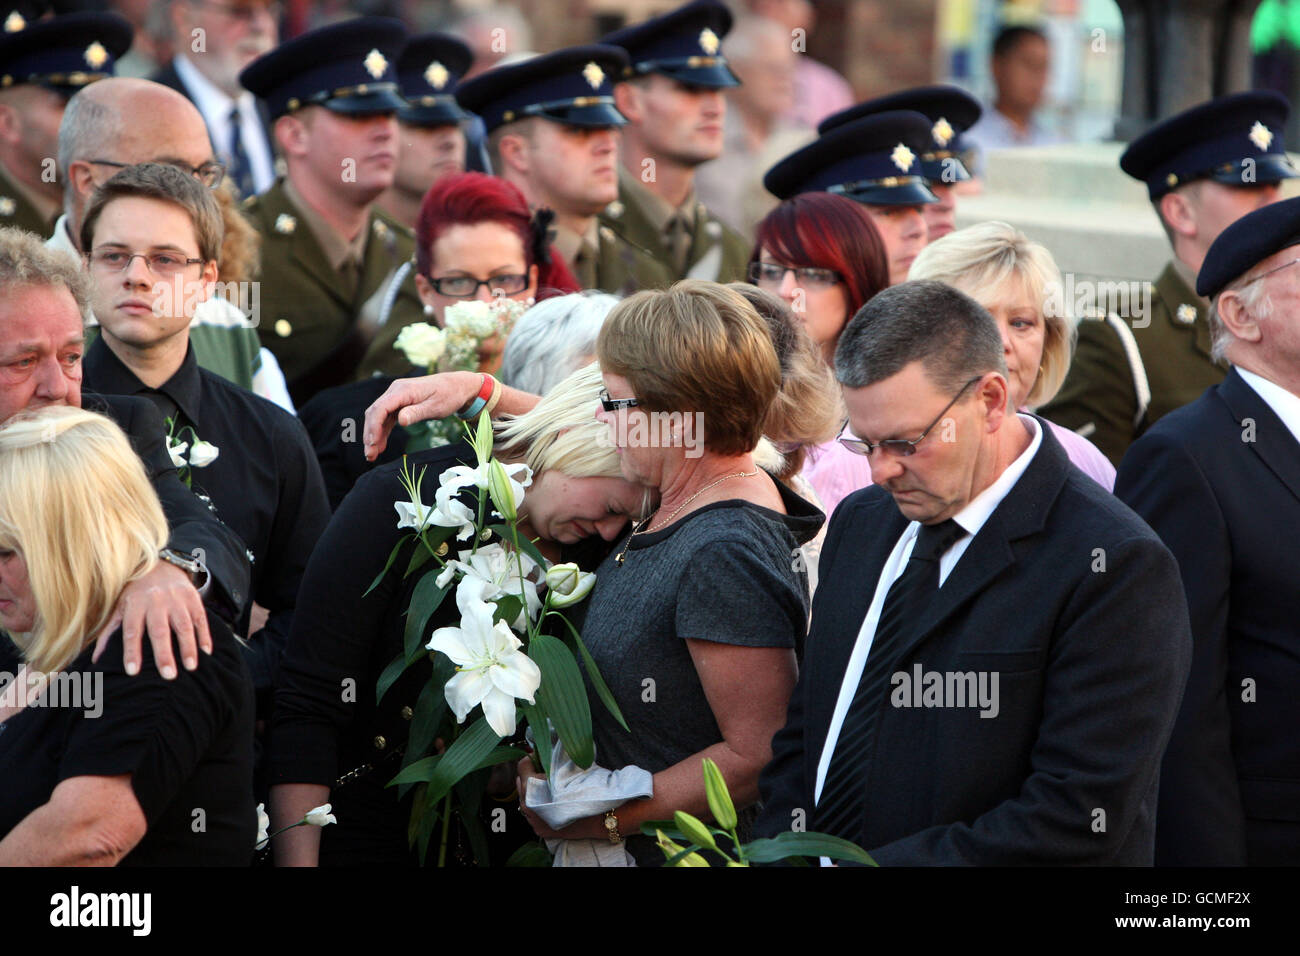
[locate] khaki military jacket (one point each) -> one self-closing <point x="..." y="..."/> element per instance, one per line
<point x="17" y="210"/>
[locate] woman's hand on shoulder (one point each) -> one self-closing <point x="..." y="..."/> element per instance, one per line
<point x="411" y="400"/>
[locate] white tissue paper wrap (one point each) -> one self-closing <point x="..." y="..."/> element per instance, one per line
<point x="571" y="793"/>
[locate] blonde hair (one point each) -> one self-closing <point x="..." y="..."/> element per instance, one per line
<point x="561" y="432"/>
<point x="696" y="347"/>
<point x="979" y="259"/>
<point x="76" y="503"/>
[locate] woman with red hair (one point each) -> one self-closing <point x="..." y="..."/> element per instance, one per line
<point x="824" y="256"/>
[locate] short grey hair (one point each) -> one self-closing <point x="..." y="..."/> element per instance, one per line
<point x="1255" y="300"/>
<point x="949" y="333"/>
<point x="554" y="338"/>
<point x="88" y="128"/>
<point x="25" y="260"/>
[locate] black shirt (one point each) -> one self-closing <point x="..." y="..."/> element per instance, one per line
<point x="186" y="743"/>
<point x="265" y="482"/>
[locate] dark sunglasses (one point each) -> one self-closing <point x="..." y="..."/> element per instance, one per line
<point x="902" y="447"/>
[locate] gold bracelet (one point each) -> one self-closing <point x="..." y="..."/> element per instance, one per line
<point x="494" y="397"/>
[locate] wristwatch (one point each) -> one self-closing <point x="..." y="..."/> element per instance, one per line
<point x="188" y="563"/>
<point x="611" y="827"/>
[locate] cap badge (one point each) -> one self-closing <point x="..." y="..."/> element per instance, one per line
<point x="285" y="223"/>
<point x="942" y="132"/>
<point x="375" y="63"/>
<point x="1186" y="314"/>
<point x="902" y="157"/>
<point x="593" y="74"/>
<point x="96" y="55"/>
<point x="614" y="209"/>
<point x="436" y="75"/>
<point x="14" y="22"/>
<point x="1261" y="136"/>
<point x="379" y="229"/>
<point x="708" y="41"/>
<point x="7" y="206"/>
<point x="283" y="328"/>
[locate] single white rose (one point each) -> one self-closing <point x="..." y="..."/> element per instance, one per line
<point x="491" y="667"/>
<point x="177" y="451"/>
<point x="422" y="344"/>
<point x="263" y="826"/>
<point x="320" y="816"/>
<point x="203" y="454"/>
<point x="475" y="318"/>
<point x="568" y="584"/>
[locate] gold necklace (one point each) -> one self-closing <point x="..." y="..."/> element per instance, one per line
<point x="642" y="529"/>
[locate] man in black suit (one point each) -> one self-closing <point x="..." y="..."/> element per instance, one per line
<point x="215" y="41"/>
<point x="998" y="646"/>
<point x="42" y="300"/>
<point x="1219" y="481"/>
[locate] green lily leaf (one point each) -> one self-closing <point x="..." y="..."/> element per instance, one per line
<point x="790" y="844"/>
<point x="535" y="714"/>
<point x="530" y="854"/>
<point x="424" y="602"/>
<point x="593" y="672"/>
<point x="392" y="556"/>
<point x="564" y="697"/>
<point x="465" y="755"/>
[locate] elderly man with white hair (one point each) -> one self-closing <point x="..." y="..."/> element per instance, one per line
<point x="1219" y="481"/>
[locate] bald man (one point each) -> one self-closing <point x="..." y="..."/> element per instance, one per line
<point x="119" y="122"/>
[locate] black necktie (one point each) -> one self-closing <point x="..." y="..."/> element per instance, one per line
<point x="241" y="170"/>
<point x="843" y="802"/>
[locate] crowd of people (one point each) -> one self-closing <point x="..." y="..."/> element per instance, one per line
<point x="917" y="558"/>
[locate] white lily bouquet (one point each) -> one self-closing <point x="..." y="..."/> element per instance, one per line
<point x="498" y="663"/>
<point x="454" y="348"/>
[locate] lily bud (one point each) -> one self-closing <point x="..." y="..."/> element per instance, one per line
<point x="715" y="789"/>
<point x="320" y="816"/>
<point x="568" y="584"/>
<point x="671" y="849"/>
<point x="503" y="496"/>
<point x="695" y="831"/>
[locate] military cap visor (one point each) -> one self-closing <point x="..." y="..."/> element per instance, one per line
<point x="1246" y="243"/>
<point x="874" y="160"/>
<point x="347" y="67"/>
<point x="63" y="53"/>
<point x="1235" y="140"/>
<point x="682" y="44"/>
<point x="574" y="87"/>
<point x="428" y="71"/>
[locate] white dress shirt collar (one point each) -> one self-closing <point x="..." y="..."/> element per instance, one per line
<point x="1285" y="405"/>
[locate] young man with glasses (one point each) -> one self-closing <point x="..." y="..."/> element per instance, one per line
<point x="216" y="40"/>
<point x="981" y="576"/>
<point x="152" y="236"/>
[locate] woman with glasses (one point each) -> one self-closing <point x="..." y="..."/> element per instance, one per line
<point x="824" y="256"/>
<point x="476" y="239"/>
<point x="1018" y="282"/>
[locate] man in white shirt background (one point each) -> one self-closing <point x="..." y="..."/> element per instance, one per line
<point x="1219" y="481"/>
<point x="998" y="646"/>
<point x="215" y="40"/>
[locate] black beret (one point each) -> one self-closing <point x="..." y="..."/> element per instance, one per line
<point x="1235" y="140"/>
<point x="573" y="86"/>
<point x="1248" y="241"/>
<point x="682" y="44"/>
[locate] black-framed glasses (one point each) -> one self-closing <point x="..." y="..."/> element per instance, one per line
<point x="464" y="287"/>
<point x="209" y="174"/>
<point x="614" y="404"/>
<point x="773" y="274"/>
<point x="159" y="263"/>
<point x="903" y="447"/>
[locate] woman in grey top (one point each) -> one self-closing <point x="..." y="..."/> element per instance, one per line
<point x="697" y="613"/>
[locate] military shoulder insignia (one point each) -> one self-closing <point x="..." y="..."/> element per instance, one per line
<point x="379" y="228"/>
<point x="593" y="74"/>
<point x="14" y="22"/>
<point x="96" y="56"/>
<point x="283" y="328"/>
<point x="614" y="209"/>
<point x="708" y="41"/>
<point x="285" y="223"/>
<point x="607" y="234"/>
<point x="375" y="63"/>
<point x="713" y="229"/>
<point x="1261" y="136"/>
<point x="942" y="132"/>
<point x="902" y="157"/>
<point x="436" y="75"/>
<point x="7" y="206"/>
<point x="1186" y="314"/>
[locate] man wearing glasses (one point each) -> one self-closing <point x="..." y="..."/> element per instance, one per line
<point x="998" y="648"/>
<point x="1219" y="481"/>
<point x="41" y="65"/>
<point x="216" y="39"/>
<point x="102" y="132"/>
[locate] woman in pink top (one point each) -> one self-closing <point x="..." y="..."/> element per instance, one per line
<point x="998" y="267"/>
<point x="825" y="257"/>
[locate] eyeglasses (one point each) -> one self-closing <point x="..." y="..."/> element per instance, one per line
<point x="1268" y="273"/>
<point x="903" y="447"/>
<point x="464" y="287"/>
<point x="614" y="404"/>
<point x="811" y="277"/>
<point x="245" y="12"/>
<point x="209" y="174"/>
<point x="159" y="263"/>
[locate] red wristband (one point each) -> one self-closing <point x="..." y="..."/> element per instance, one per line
<point x="484" y="393"/>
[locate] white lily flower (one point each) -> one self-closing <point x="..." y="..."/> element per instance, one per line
<point x="491" y="667"/>
<point x="320" y="816"/>
<point x="495" y="573"/>
<point x="203" y="453"/>
<point x="177" y="451"/>
<point x="412" y="515"/>
<point x="263" y="826"/>
<point x="568" y="584"/>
